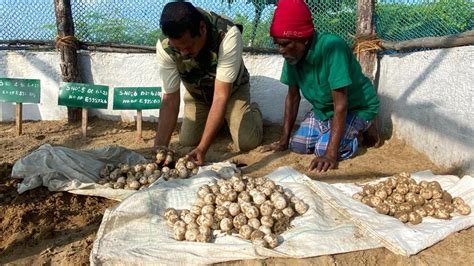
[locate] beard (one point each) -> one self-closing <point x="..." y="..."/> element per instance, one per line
<point x="292" y="60"/>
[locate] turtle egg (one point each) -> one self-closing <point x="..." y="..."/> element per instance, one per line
<point x="226" y="224"/>
<point x="210" y="198"/>
<point x="190" y="165"/>
<point x="169" y="211"/>
<point x="160" y="156"/>
<point x="265" y="229"/>
<point x="463" y="209"/>
<point x="251" y="212"/>
<point x="239" y="186"/>
<point x="191" y="234"/>
<point x="414" y="218"/>
<point x="239" y="221"/>
<point x="254" y="223"/>
<point x="301" y="207"/>
<point x="280" y="203"/>
<point x="259" y="198"/>
<point x="272" y="240"/>
<point x="208" y="209"/>
<point x="266" y="221"/>
<point x="245" y="231"/>
<point x="257" y="234"/>
<point x="234" y="209"/>
<point x="195" y="209"/>
<point x="179" y="235"/>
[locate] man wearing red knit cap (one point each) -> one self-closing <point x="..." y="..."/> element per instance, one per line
<point x="322" y="67"/>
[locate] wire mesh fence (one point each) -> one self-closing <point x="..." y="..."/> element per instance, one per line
<point x="409" y="19"/>
<point x="27" y="20"/>
<point x="137" y="21"/>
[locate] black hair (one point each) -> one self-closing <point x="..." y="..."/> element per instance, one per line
<point x="178" y="17"/>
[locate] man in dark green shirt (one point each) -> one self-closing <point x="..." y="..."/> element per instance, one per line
<point x="322" y="67"/>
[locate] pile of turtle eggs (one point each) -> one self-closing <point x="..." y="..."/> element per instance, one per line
<point x="405" y="199"/>
<point x="254" y="208"/>
<point x="142" y="175"/>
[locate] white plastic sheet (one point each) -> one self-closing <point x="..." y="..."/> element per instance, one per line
<point x="402" y="239"/>
<point x="74" y="171"/>
<point x="77" y="171"/>
<point x="135" y="232"/>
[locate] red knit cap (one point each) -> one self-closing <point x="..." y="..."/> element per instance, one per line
<point x="292" y="19"/>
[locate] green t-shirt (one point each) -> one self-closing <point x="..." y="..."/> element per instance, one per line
<point x="329" y="65"/>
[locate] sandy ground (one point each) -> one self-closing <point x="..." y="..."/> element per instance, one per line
<point x="42" y="227"/>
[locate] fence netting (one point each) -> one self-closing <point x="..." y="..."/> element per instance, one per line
<point x="400" y="20"/>
<point x="137" y="21"/>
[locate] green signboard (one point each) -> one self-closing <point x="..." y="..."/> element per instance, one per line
<point x="83" y="95"/>
<point x="137" y="98"/>
<point x="20" y="90"/>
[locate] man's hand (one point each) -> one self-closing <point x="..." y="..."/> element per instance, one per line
<point x="329" y="159"/>
<point x="197" y="155"/>
<point x="323" y="163"/>
<point x="168" y="117"/>
<point x="275" y="146"/>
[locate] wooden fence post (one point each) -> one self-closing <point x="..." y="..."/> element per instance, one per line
<point x="365" y="27"/>
<point x="367" y="59"/>
<point x="19" y="118"/>
<point x="67" y="45"/>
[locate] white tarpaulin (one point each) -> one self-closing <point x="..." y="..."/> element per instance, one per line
<point x="134" y="232"/>
<point x="400" y="238"/>
<point x="74" y="171"/>
<point x="77" y="171"/>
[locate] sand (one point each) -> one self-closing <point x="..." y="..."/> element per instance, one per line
<point x="42" y="227"/>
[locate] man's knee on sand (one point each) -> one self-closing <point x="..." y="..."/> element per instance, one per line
<point x="301" y="148"/>
<point x="250" y="129"/>
<point x="346" y="151"/>
<point x="248" y="142"/>
<point x="189" y="139"/>
<point x="244" y="142"/>
<point x="245" y="126"/>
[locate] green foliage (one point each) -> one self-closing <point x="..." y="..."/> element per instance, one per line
<point x="338" y="17"/>
<point x="259" y="6"/>
<point x="51" y="29"/>
<point x="262" y="36"/>
<point x="394" y="21"/>
<point x="398" y="22"/>
<point x="254" y="2"/>
<point x="329" y="16"/>
<point x="98" y="27"/>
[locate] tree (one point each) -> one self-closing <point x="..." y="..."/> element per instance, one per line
<point x="261" y="37"/>
<point x="101" y="27"/>
<point x="259" y="6"/>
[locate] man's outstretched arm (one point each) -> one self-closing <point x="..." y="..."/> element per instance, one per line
<point x="329" y="159"/>
<point x="168" y="116"/>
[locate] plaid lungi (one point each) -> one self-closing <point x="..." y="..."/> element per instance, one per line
<point x="313" y="136"/>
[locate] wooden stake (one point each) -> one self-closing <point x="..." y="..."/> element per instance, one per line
<point x="139" y="125"/>
<point x="368" y="60"/>
<point x="19" y="118"/>
<point x="69" y="62"/>
<point x="84" y="122"/>
<point x="365" y="27"/>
